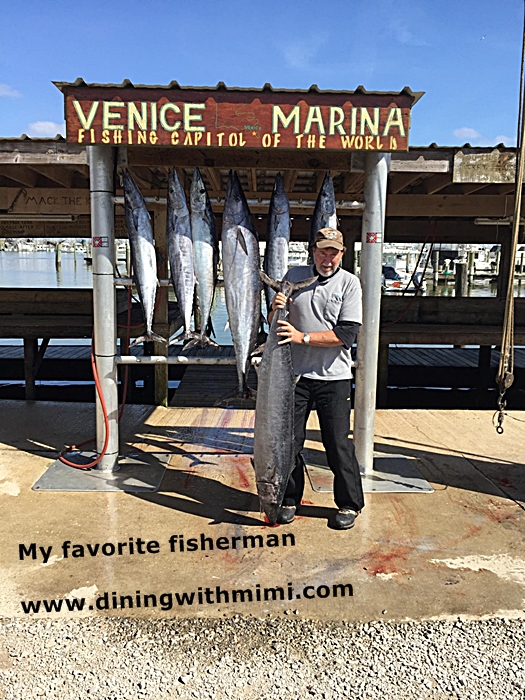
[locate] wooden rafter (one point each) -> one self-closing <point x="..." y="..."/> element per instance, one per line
<point x="252" y="178"/>
<point x="399" y="181"/>
<point x="20" y="173"/>
<point x="352" y="182"/>
<point x="290" y="177"/>
<point x="214" y="176"/>
<point x="56" y="173"/>
<point x="436" y="182"/>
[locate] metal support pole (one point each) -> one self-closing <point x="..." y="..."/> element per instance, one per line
<point x="104" y="301"/>
<point x="376" y="172"/>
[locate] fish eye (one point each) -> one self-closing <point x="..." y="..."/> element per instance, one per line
<point x="203" y="191"/>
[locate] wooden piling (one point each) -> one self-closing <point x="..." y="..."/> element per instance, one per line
<point x="58" y="255"/>
<point x="461" y="280"/>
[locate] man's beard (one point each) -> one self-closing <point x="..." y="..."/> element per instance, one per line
<point x="329" y="273"/>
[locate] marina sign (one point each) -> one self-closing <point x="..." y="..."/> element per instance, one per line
<point x="237" y="118"/>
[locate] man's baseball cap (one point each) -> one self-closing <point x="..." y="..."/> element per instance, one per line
<point x="329" y="238"/>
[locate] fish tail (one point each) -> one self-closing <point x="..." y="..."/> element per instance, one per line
<point x="148" y="338"/>
<point x="202" y="341"/>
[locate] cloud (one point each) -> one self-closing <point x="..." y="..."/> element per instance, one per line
<point x="46" y="128"/>
<point x="301" y="52"/>
<point x="467" y="134"/>
<point x="8" y="91"/>
<point x="404" y="35"/>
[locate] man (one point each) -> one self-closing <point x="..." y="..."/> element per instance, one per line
<point x="323" y="323"/>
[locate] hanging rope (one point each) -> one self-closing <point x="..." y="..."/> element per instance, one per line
<point x="505" y="376"/>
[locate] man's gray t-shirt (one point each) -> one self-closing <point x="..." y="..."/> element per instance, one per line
<point x="320" y="307"/>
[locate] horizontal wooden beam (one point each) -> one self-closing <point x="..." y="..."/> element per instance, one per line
<point x="17" y="158"/>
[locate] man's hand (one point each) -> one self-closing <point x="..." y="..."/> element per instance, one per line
<point x="289" y="333"/>
<point x="279" y="302"/>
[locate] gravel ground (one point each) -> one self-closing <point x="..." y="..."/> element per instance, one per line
<point x="254" y="659"/>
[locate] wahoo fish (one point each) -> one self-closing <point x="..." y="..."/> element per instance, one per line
<point x="242" y="284"/>
<point x="140" y="232"/>
<point x="325" y="215"/>
<point x="180" y="252"/>
<point x="277" y="238"/>
<point x="273" y="447"/>
<point x="205" y="256"/>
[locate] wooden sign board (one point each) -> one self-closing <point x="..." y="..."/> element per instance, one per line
<point x="491" y="167"/>
<point x="203" y="118"/>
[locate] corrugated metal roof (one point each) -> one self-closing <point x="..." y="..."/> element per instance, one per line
<point x="38" y="139"/>
<point x="267" y="87"/>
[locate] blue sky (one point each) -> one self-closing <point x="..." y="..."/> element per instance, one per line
<point x="465" y="54"/>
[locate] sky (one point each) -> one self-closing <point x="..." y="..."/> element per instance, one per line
<point x="464" y="54"/>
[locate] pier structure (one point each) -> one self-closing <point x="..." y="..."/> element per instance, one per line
<point x="433" y="195"/>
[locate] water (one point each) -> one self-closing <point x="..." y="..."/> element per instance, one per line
<point x="37" y="269"/>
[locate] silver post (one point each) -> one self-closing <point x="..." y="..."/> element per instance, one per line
<point x="376" y="173"/>
<point x="104" y="305"/>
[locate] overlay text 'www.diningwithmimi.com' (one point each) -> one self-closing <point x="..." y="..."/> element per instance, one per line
<point x="201" y="597"/>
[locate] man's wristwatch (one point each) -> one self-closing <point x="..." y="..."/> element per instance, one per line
<point x="306" y="339"/>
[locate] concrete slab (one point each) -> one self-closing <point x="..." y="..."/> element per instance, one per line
<point x="457" y="551"/>
<point x="392" y="474"/>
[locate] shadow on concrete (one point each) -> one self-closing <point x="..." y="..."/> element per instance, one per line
<point x="213" y="500"/>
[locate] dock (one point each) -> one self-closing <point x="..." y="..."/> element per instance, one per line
<point x="455" y="552"/>
<point x="422" y="377"/>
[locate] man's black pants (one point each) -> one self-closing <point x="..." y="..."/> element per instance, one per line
<point x="332" y="401"/>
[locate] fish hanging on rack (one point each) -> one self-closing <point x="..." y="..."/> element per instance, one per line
<point x="142" y="246"/>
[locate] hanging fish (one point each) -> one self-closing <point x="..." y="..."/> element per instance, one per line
<point x="205" y="256"/>
<point x="325" y="215"/>
<point x="140" y="232"/>
<point x="277" y="238"/>
<point x="242" y="284"/>
<point x="180" y="253"/>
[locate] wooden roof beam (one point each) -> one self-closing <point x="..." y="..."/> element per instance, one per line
<point x="62" y="176"/>
<point x="352" y="182"/>
<point x="473" y="187"/>
<point x="399" y="181"/>
<point x="290" y="176"/>
<point x="214" y="176"/>
<point x="436" y="182"/>
<point x="20" y="173"/>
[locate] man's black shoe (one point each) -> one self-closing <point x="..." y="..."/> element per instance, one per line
<point x="286" y="515"/>
<point x="344" y="519"/>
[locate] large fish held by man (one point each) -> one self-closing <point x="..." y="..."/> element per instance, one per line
<point x="140" y="232"/>
<point x="180" y="252"/>
<point x="273" y="448"/>
<point x="242" y="284"/>
<point x="205" y="257"/>
<point x="325" y="215"/>
<point x="277" y="238"/>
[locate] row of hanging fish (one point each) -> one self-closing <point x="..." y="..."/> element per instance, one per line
<point x="193" y="252"/>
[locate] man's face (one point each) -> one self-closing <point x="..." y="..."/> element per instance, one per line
<point x="327" y="260"/>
